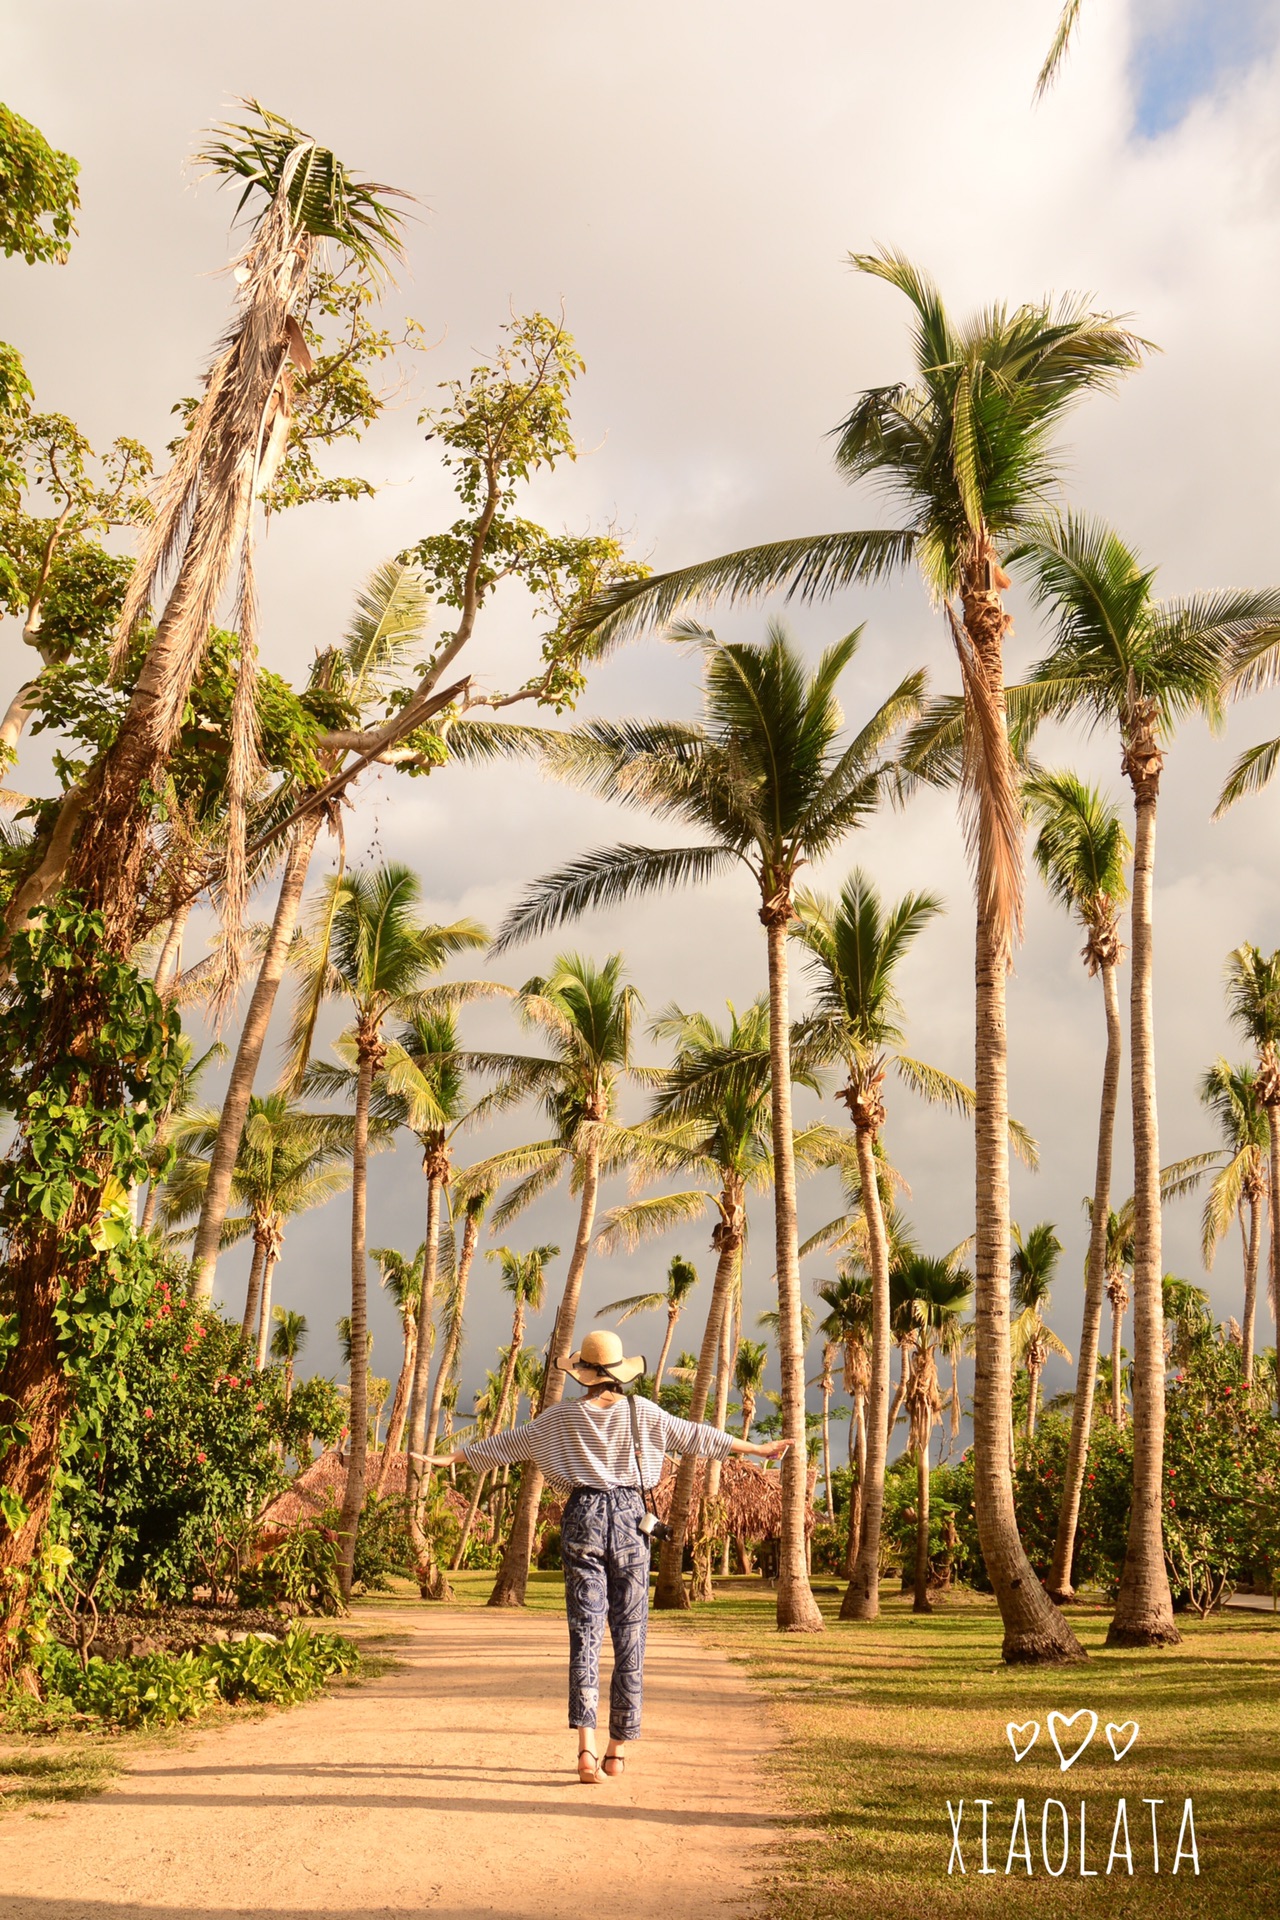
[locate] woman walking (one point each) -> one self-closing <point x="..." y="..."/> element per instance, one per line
<point x="608" y="1448"/>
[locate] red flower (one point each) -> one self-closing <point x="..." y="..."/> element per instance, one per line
<point x="202" y="1457"/>
<point x="233" y="1380"/>
<point x="261" y="1404"/>
<point x="186" y="1346"/>
<point x="147" y="1413"/>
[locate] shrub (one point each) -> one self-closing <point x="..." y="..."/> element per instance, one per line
<point x="301" y="1571"/>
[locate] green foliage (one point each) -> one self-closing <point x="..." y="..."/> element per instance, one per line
<point x="301" y="1572"/>
<point x="39" y="198"/>
<point x="161" y="1689"/>
<point x="383" y="1545"/>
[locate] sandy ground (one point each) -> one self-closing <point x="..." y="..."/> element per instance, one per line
<point x="442" y="1788"/>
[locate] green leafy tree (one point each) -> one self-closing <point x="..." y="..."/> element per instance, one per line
<point x="1123" y="659"/>
<point x="966" y="446"/>
<point x="767" y="783"/>
<point x="39" y="198"/>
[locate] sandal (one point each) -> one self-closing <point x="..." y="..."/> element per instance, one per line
<point x="618" y="1760"/>
<point x="588" y="1768"/>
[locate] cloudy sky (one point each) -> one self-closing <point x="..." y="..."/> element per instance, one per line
<point x="690" y="185"/>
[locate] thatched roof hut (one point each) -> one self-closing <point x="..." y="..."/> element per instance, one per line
<point x="322" y="1484"/>
<point x="752" y="1497"/>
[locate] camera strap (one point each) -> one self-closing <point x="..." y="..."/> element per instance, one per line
<point x="645" y="1493"/>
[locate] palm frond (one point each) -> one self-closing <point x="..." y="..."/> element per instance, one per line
<point x="648" y="1219"/>
<point x="605" y="878"/>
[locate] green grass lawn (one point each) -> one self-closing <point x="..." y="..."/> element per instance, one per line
<point x="882" y="1724"/>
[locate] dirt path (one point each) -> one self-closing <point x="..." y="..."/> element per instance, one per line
<point x="442" y="1788"/>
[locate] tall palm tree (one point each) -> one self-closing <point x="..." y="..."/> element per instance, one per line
<point x="929" y="1296"/>
<point x="1034" y="1264"/>
<point x="524" y="1278"/>
<point x="1239" y="1190"/>
<point x="401" y="1276"/>
<point x="290" y="1160"/>
<point x="967" y="447"/>
<point x="1082" y="851"/>
<point x="748" y="1376"/>
<point x="1123" y="659"/>
<point x="710" y="1117"/>
<point x="367" y="943"/>
<point x="375" y="1390"/>
<point x="389" y="618"/>
<point x="287" y="1343"/>
<point x="682" y="1278"/>
<point x="1185" y="1308"/>
<point x="848" y="1324"/>
<point x="856" y="947"/>
<point x="584" y="1012"/>
<point x="1253" y="1006"/>
<point x="767" y="783"/>
<point x="473" y="1210"/>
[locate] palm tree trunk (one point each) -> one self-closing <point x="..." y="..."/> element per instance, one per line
<point x="673" y="1314"/>
<point x="920" y="1599"/>
<point x="253" y="1034"/>
<point x="171" y="952"/>
<point x="1118" y="1305"/>
<point x="862" y="1597"/>
<point x="1273" y="1197"/>
<point x="1033" y="1394"/>
<point x="798" y="1611"/>
<point x="253" y="1292"/>
<point x="1034" y="1630"/>
<point x="1144" y="1606"/>
<point x="1252" y="1249"/>
<point x="702" y="1589"/>
<point x="400" y="1403"/>
<point x="353" y="1495"/>
<point x="669" y="1590"/>
<point x="513" y="1575"/>
<point x="826" y="1448"/>
<point x="468" y="1523"/>
<point x="466" y="1254"/>
<point x="857" y="1460"/>
<point x="1060" y="1587"/>
<point x="432" y="1584"/>
<point x="264" y="1312"/>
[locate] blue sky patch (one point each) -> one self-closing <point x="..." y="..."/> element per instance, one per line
<point x="1184" y="49"/>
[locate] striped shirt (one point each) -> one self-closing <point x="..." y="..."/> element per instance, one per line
<point x="579" y="1444"/>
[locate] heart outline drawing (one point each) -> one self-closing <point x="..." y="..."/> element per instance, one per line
<point x="1124" y="1727"/>
<point x="1015" y="1729"/>
<point x="1068" y="1721"/>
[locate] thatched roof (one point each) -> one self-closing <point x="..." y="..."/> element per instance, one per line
<point x="752" y="1496"/>
<point x="322" y="1485"/>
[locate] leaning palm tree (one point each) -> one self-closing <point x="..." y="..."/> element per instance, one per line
<point x="710" y="1118"/>
<point x="1082" y="851"/>
<point x="682" y="1278"/>
<point x="967" y="448"/>
<point x="856" y="947"/>
<point x="1238" y="1190"/>
<point x="1253" y="1005"/>
<point x="767" y="783"/>
<point x="367" y="943"/>
<point x="287" y="1343"/>
<point x="584" y="1012"/>
<point x="290" y="1160"/>
<point x="1034" y="1264"/>
<point x="401" y="1276"/>
<point x="1122" y="659"/>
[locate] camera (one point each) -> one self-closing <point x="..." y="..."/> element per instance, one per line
<point x="652" y="1528"/>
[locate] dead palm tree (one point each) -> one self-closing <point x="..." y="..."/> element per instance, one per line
<point x="967" y="447"/>
<point x="767" y="784"/>
<point x="1034" y="1263"/>
<point x="1121" y="658"/>
<point x="367" y="943"/>
<point x="682" y="1278"/>
<point x="1082" y="851"/>
<point x="1253" y="1006"/>
<point x="1239" y="1189"/>
<point x="585" y="1012"/>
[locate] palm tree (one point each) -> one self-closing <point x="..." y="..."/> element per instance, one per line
<point x="1124" y="659"/>
<point x="748" y="1376"/>
<point x="766" y="783"/>
<point x="1239" y="1190"/>
<point x="375" y="1390"/>
<point x="473" y="1208"/>
<point x="848" y="1324"/>
<point x="856" y="947"/>
<point x="367" y="943"/>
<point x="585" y="1012"/>
<point x="1185" y="1308"/>
<point x="710" y="1117"/>
<point x="1033" y="1265"/>
<point x="967" y="448"/>
<point x="682" y="1278"/>
<point x="402" y="1278"/>
<point x="1253" y="1006"/>
<point x="290" y="1160"/>
<point x="1082" y="851"/>
<point x="390" y="614"/>
<point x="287" y="1343"/>
<point x="929" y="1297"/>
<point x="524" y="1278"/>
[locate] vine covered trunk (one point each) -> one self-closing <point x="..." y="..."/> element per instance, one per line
<point x="513" y="1575"/>
<point x="1060" y="1587"/>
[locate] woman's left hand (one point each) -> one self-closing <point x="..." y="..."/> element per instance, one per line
<point x="772" y="1449"/>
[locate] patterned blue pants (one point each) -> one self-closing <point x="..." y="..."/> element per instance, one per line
<point x="606" y="1577"/>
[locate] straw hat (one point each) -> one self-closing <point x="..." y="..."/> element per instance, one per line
<point x="600" y="1358"/>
